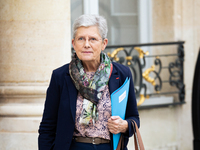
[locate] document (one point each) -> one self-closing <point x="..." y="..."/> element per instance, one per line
<point x="118" y="106"/>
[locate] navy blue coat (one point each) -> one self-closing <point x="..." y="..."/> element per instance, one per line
<point x="58" y="122"/>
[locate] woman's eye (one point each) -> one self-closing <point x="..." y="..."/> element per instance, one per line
<point x="93" y="39"/>
<point x="80" y="39"/>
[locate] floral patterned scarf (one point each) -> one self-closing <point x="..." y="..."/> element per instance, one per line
<point x="90" y="89"/>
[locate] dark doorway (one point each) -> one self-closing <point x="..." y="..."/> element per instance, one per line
<point x="196" y="105"/>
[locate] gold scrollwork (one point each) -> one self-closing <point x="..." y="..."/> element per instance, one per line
<point x="129" y="58"/>
<point x="142" y="99"/>
<point x="141" y="52"/>
<point x="146" y="75"/>
<point x="114" y="53"/>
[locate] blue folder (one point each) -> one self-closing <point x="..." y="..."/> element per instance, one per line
<point x="118" y="106"/>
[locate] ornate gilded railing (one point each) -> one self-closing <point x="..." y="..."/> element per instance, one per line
<point x="148" y="78"/>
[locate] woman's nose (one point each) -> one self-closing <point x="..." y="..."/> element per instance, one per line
<point x="87" y="43"/>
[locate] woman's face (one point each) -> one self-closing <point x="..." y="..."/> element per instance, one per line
<point x="88" y="44"/>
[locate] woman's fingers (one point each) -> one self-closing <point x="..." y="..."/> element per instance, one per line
<point x="117" y="125"/>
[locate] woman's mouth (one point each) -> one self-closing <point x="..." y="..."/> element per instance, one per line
<point x="87" y="52"/>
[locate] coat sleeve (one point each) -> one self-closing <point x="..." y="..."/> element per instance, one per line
<point x="47" y="129"/>
<point x="131" y="110"/>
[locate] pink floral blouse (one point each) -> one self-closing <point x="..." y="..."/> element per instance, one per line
<point x="99" y="129"/>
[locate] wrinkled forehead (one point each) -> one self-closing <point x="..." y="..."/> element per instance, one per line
<point x="88" y="31"/>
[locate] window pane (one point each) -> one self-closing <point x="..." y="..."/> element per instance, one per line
<point x="122" y="18"/>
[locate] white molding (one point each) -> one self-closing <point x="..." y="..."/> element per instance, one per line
<point x="91" y="7"/>
<point x="144" y="16"/>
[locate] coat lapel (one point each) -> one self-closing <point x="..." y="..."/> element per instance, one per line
<point x="113" y="81"/>
<point x="72" y="95"/>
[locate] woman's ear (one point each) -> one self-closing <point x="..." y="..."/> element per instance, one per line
<point x="73" y="42"/>
<point x="105" y="42"/>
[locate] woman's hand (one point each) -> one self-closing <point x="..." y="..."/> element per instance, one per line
<point x="117" y="125"/>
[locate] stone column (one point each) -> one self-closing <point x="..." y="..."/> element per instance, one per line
<point x="34" y="39"/>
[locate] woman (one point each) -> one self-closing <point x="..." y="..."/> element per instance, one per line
<point x="77" y="112"/>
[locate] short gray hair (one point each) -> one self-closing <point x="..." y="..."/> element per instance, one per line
<point x="91" y="20"/>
